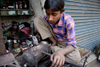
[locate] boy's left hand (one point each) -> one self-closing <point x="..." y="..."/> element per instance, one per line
<point x="58" y="59"/>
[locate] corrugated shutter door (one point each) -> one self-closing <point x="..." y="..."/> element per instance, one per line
<point x="86" y="14"/>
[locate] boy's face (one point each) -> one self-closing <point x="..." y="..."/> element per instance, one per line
<point x="53" y="16"/>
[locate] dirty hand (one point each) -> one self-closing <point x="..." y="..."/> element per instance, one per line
<point x="58" y="59"/>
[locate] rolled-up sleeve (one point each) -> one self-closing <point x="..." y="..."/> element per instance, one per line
<point x="70" y="26"/>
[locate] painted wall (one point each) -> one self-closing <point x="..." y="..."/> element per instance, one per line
<point x="42" y="4"/>
<point x="37" y="5"/>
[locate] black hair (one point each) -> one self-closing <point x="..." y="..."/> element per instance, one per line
<point x="54" y="5"/>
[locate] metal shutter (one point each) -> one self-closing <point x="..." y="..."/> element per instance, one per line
<point x="86" y="14"/>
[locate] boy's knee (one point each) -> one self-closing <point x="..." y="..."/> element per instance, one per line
<point x="78" y="59"/>
<point x="74" y="56"/>
<point x="75" y="59"/>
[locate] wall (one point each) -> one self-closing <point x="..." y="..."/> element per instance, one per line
<point x="42" y="3"/>
<point x="2" y="45"/>
<point x="37" y="5"/>
<point x="19" y="19"/>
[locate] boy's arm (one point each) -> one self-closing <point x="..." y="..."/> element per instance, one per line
<point x="66" y="50"/>
<point x="70" y="27"/>
<point x="54" y="42"/>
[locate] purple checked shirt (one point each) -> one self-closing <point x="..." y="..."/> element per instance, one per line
<point x="65" y="29"/>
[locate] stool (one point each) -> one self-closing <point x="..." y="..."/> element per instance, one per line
<point x="84" y="53"/>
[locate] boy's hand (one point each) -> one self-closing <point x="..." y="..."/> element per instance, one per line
<point x="58" y="59"/>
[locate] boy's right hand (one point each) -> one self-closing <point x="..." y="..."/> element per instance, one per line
<point x="58" y="59"/>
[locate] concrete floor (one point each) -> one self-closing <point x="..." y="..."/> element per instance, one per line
<point x="96" y="65"/>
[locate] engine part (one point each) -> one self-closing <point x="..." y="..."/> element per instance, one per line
<point x="33" y="55"/>
<point x="9" y="61"/>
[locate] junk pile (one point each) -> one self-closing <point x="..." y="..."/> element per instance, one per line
<point x="24" y="49"/>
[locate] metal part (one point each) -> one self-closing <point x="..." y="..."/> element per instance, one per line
<point x="8" y="60"/>
<point x="25" y="65"/>
<point x="35" y="40"/>
<point x="33" y="55"/>
<point x="85" y="61"/>
<point x="10" y="45"/>
<point x="46" y="53"/>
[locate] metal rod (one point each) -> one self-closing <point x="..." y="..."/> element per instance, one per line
<point x="65" y="60"/>
<point x="46" y="53"/>
<point x="85" y="61"/>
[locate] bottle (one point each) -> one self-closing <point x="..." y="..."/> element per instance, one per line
<point x="25" y="5"/>
<point x="9" y="45"/>
<point x="31" y="27"/>
<point x="16" y="5"/>
<point x="20" y="5"/>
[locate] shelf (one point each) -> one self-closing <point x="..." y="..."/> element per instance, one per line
<point x="22" y="5"/>
<point x="15" y="12"/>
<point x="12" y="9"/>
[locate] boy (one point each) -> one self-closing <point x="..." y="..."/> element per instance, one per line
<point x="59" y="28"/>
